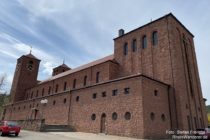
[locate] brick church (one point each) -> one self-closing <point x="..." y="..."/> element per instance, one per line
<point x="149" y="85"/>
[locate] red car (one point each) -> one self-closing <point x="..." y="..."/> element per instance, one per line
<point x="9" y="127"/>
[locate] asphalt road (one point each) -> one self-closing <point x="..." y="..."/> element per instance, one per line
<point x="30" y="135"/>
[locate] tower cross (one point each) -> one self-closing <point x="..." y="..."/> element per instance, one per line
<point x="31" y="49"/>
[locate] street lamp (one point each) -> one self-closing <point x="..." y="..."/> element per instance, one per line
<point x="43" y="102"/>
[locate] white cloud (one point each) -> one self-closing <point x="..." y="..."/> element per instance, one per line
<point x="15" y="48"/>
<point x="48" y="67"/>
<point x="92" y="24"/>
<point x="44" y="7"/>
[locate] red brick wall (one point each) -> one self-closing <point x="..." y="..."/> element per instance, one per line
<point x="53" y="114"/>
<point x="22" y="77"/>
<point x="108" y="105"/>
<point x="169" y="62"/>
<point x="157" y="104"/>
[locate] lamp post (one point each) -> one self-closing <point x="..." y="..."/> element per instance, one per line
<point x="43" y="102"/>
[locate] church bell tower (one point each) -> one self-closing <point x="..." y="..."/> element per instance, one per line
<point x="25" y="76"/>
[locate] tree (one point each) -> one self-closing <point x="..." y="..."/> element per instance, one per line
<point x="2" y="81"/>
<point x="4" y="98"/>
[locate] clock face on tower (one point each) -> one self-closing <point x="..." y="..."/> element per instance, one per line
<point x="30" y="66"/>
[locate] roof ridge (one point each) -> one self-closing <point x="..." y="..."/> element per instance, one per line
<point x="90" y="64"/>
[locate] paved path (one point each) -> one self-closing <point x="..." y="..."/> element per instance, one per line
<point x="30" y="135"/>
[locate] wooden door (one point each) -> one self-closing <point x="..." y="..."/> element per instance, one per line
<point x="103" y="123"/>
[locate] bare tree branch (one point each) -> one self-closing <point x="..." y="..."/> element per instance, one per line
<point x="2" y="81"/>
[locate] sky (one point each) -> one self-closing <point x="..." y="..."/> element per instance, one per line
<point x="80" y="31"/>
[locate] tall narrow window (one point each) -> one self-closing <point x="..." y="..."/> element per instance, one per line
<point x="54" y="102"/>
<point x="154" y="38"/>
<point x="74" y="83"/>
<point x="195" y="120"/>
<point x="49" y="90"/>
<point x="37" y="93"/>
<point x="125" y="48"/>
<point x="85" y="81"/>
<point x="56" y="88"/>
<point x="144" y="42"/>
<point x="43" y="92"/>
<point x="134" y="46"/>
<point x="64" y="87"/>
<point x="201" y="124"/>
<point x="189" y="123"/>
<point x="32" y="94"/>
<point x="97" y="77"/>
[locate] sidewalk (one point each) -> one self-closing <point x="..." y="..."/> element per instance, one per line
<point x="91" y="136"/>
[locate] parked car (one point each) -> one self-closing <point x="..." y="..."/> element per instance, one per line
<point x="9" y="127"/>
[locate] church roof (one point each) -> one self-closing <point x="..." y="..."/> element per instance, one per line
<point x="31" y="56"/>
<point x="99" y="61"/>
<point x="170" y="14"/>
<point x="63" y="65"/>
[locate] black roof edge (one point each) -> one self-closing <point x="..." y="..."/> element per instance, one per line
<point x="170" y="14"/>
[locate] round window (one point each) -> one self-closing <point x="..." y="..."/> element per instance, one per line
<point x="114" y="116"/>
<point x="127" y="115"/>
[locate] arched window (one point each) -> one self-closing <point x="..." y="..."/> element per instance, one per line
<point x="144" y="42"/>
<point x="49" y="90"/>
<point x="43" y="92"/>
<point x="152" y="116"/>
<point x="64" y="100"/>
<point x="56" y="88"/>
<point x="30" y="65"/>
<point x="37" y="93"/>
<point x="74" y="83"/>
<point x="134" y="45"/>
<point x="163" y="117"/>
<point x="31" y="62"/>
<point x="77" y="99"/>
<point x="125" y="47"/>
<point x="65" y="85"/>
<point x="155" y="38"/>
<point x="156" y="92"/>
<point x="85" y="80"/>
<point x="97" y="77"/>
<point x="32" y="94"/>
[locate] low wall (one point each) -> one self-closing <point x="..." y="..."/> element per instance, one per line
<point x="34" y="125"/>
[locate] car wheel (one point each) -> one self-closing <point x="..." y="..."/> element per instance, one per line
<point x="16" y="134"/>
<point x="0" y="133"/>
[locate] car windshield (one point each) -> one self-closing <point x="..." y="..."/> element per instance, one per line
<point x="9" y="123"/>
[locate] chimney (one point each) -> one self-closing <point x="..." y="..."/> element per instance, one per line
<point x="121" y="32"/>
